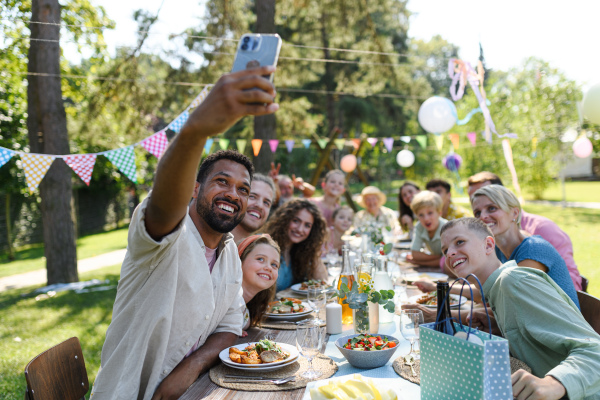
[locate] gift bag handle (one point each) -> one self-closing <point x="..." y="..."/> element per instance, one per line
<point x="465" y="281"/>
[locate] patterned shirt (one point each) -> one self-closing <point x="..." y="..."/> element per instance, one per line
<point x="456" y="212"/>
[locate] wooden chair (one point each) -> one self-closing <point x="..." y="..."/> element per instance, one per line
<point x="58" y="373"/>
<point x="584" y="283"/>
<point x="590" y="309"/>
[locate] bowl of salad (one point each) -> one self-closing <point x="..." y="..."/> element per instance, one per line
<point x="367" y="351"/>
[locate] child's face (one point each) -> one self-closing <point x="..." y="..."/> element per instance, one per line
<point x="334" y="186"/>
<point x="466" y="252"/>
<point x="343" y="220"/>
<point x="429" y="217"/>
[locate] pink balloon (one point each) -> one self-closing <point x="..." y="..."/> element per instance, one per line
<point x="348" y="163"/>
<point x="582" y="147"/>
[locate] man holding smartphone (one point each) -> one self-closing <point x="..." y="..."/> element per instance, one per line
<point x="174" y="313"/>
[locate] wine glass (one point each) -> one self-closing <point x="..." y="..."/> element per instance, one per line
<point x="309" y="339"/>
<point x="333" y="265"/>
<point x="316" y="299"/>
<point x="409" y="326"/>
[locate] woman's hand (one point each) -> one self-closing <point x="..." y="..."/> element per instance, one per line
<point x="244" y="334"/>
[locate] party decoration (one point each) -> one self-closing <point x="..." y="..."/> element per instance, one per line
<point x="389" y="143"/>
<point x="439" y="142"/>
<point x="256" y="145"/>
<point x="472" y="136"/>
<point x="348" y="163"/>
<point x="454" y="138"/>
<point x="35" y="167"/>
<point x="322" y="143"/>
<point x="241" y="144"/>
<point x="5" y="155"/>
<point x="273" y="143"/>
<point x="339" y="143"/>
<point x="508" y="156"/>
<point x="405" y="139"/>
<point x="200" y="98"/>
<point x="422" y="140"/>
<point x="155" y="144"/>
<point x="582" y="147"/>
<point x="176" y="125"/>
<point x="405" y="158"/>
<point x="208" y="145"/>
<point x="290" y="145"/>
<point x="372" y="141"/>
<point x="591" y="104"/>
<point x="223" y="143"/>
<point x="83" y="165"/>
<point x="356" y="143"/>
<point x="534" y="147"/>
<point x="437" y="115"/>
<point x="124" y="160"/>
<point x="452" y="162"/>
<point x="306" y="143"/>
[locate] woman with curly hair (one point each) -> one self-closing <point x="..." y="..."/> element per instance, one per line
<point x="260" y="267"/>
<point x="300" y="230"/>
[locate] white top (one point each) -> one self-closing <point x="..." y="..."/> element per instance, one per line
<point x="167" y="299"/>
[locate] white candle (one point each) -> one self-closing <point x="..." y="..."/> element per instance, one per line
<point x="333" y="315"/>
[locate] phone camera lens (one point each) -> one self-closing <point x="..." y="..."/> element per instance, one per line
<point x="244" y="46"/>
<point x="246" y="39"/>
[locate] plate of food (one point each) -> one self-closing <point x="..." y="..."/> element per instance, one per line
<point x="263" y="355"/>
<point x="288" y="308"/>
<point x="429" y="300"/>
<point x="302" y="288"/>
<point x="432" y="276"/>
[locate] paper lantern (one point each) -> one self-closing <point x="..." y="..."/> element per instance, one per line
<point x="405" y="158"/>
<point x="582" y="147"/>
<point x="348" y="163"/>
<point x="452" y="162"/>
<point x="591" y="104"/>
<point x="437" y="115"/>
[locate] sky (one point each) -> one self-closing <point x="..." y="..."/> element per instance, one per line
<point x="562" y="33"/>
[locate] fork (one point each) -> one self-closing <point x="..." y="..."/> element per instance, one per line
<point x="272" y="381"/>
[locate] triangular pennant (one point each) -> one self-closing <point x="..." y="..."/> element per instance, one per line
<point x="339" y="143"/>
<point x="356" y="143"/>
<point x="422" y="140"/>
<point x="256" y="145"/>
<point x="454" y="138"/>
<point x="223" y="144"/>
<point x="290" y="145"/>
<point x="306" y="143"/>
<point x="200" y="98"/>
<point x="241" y="144"/>
<point x="35" y="167"/>
<point x="372" y="141"/>
<point x="472" y="138"/>
<point x="273" y="143"/>
<point x="83" y="165"/>
<point x="405" y="139"/>
<point x="208" y="145"/>
<point x="389" y="143"/>
<point x="176" y="125"/>
<point x="322" y="143"/>
<point x="439" y="141"/>
<point x="5" y="155"/>
<point x="124" y="160"/>
<point x="155" y="144"/>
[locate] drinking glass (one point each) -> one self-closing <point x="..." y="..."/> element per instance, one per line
<point x="409" y="326"/>
<point x="334" y="266"/>
<point x="317" y="297"/>
<point x="309" y="339"/>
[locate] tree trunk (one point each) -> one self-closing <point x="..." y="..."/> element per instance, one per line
<point x="329" y="77"/>
<point x="47" y="126"/>
<point x="265" y="126"/>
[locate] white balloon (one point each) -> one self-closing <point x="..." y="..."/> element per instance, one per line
<point x="591" y="104"/>
<point x="437" y="115"/>
<point x="405" y="158"/>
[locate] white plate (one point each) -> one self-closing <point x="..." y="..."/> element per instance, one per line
<point x="224" y="356"/>
<point x="292" y="316"/>
<point x="434" y="276"/>
<point x="403" y="388"/>
<point x="455" y="297"/>
<point x="296" y="289"/>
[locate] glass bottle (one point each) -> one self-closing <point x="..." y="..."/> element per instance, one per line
<point x="444" y="317"/>
<point x="382" y="281"/>
<point x="349" y="275"/>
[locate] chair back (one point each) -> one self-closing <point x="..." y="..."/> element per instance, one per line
<point x="590" y="309"/>
<point x="584" y="283"/>
<point x="58" y="373"/>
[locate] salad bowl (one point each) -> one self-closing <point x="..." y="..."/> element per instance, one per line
<point x="366" y="359"/>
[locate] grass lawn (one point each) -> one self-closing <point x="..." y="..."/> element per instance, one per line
<point x="32" y="257"/>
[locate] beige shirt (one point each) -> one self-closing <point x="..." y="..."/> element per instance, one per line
<point x="166" y="300"/>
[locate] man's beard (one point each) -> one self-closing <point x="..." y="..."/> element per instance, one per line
<point x="217" y="222"/>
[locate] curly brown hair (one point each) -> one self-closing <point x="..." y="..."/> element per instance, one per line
<point x="257" y="307"/>
<point x="306" y="255"/>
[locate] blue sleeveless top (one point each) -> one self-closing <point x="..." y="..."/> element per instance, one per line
<point x="285" y="279"/>
<point x="538" y="249"/>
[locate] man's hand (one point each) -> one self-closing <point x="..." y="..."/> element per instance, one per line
<point x="274" y="172"/>
<point x="527" y="386"/>
<point x="425" y="285"/>
<point x="429" y="314"/>
<point x="177" y="382"/>
<point x="480" y="321"/>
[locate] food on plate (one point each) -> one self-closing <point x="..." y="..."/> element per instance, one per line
<point x="318" y="282"/>
<point x="357" y="388"/>
<point x="263" y="352"/>
<point x="286" y="305"/>
<point x="430" y="299"/>
<point x="369" y="343"/>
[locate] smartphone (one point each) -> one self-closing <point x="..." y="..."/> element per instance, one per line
<point x="257" y="50"/>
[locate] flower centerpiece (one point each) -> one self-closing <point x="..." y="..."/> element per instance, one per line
<point x="372" y="235"/>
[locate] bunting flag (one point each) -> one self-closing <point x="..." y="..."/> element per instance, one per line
<point x="339" y="143"/>
<point x="124" y="160"/>
<point x="35" y="167"/>
<point x="200" y="98"/>
<point x="241" y="144"/>
<point x="422" y="140"/>
<point x="273" y="143"/>
<point x="372" y="141"/>
<point x="208" y="145"/>
<point x="405" y="139"/>
<point x="5" y="155"/>
<point x="290" y="145"/>
<point x="155" y="144"/>
<point x="534" y="147"/>
<point x="508" y="156"/>
<point x="83" y="164"/>
<point x="472" y="138"/>
<point x="322" y="143"/>
<point x="454" y="138"/>
<point x="389" y="143"/>
<point x="306" y="143"/>
<point x="256" y="145"/>
<point x="176" y="125"/>
<point x="223" y="144"/>
<point x="356" y="143"/>
<point x="439" y="141"/>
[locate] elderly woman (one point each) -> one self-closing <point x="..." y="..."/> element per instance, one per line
<point x="500" y="209"/>
<point x="372" y="200"/>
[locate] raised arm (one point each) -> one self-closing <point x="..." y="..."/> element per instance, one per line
<point x="228" y="101"/>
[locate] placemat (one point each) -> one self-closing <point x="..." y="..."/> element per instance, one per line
<point x="288" y="325"/>
<point x="404" y="370"/>
<point x="321" y="363"/>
